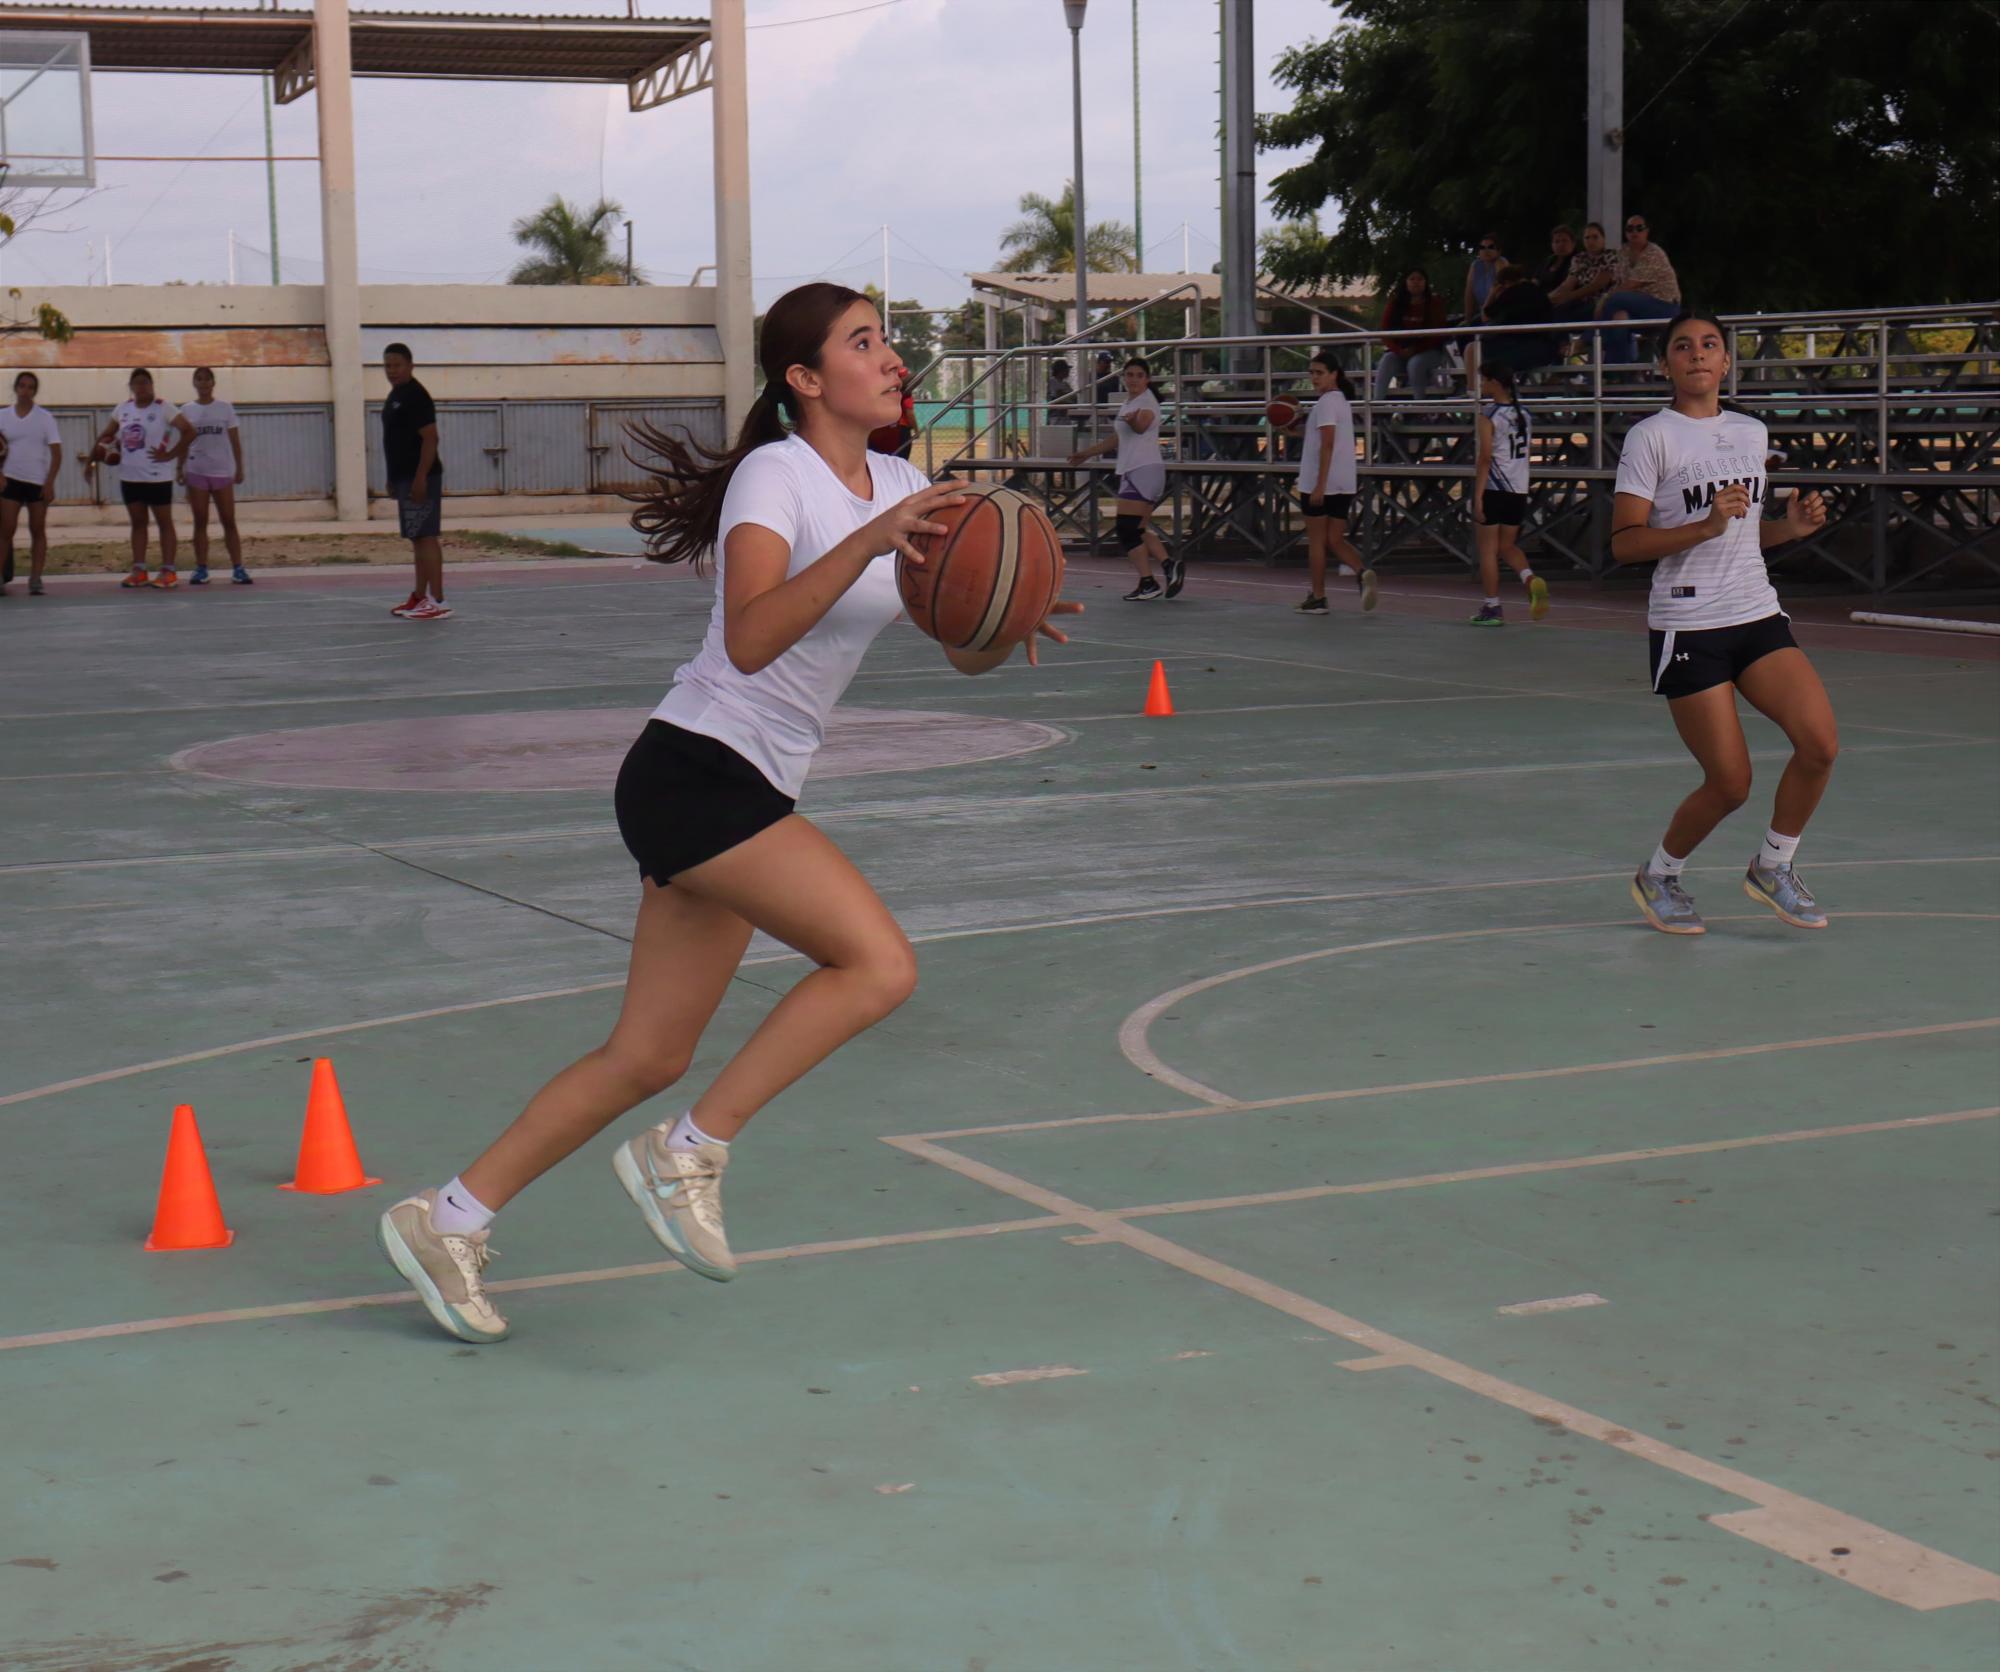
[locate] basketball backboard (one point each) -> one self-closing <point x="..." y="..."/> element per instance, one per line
<point x="45" y="132"/>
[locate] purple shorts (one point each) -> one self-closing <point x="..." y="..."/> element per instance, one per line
<point x="1148" y="483"/>
<point x="210" y="484"/>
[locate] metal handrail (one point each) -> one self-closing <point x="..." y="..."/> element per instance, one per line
<point x="1008" y="355"/>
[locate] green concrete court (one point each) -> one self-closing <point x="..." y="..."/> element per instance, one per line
<point x="1139" y="1296"/>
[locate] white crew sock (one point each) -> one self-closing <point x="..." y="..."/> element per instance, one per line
<point x="1493" y="603"/>
<point x="457" y="1212"/>
<point x="1526" y="576"/>
<point x="1777" y="850"/>
<point x="687" y="1136"/>
<point x="1663" y="864"/>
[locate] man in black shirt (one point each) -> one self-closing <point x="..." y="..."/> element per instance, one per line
<point x="416" y="480"/>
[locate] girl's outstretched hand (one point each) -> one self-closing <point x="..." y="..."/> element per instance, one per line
<point x="1062" y="606"/>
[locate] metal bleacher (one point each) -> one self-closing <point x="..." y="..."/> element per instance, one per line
<point x="1892" y="413"/>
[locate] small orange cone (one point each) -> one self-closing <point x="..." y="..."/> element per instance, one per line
<point x="189" y="1214"/>
<point x="1158" y="703"/>
<point x="328" y="1161"/>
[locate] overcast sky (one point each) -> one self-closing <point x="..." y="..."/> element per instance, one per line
<point x="932" y="116"/>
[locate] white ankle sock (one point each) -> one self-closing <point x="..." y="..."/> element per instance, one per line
<point x="1526" y="576"/>
<point x="1493" y="603"/>
<point x="1663" y="864"/>
<point x="687" y="1136"/>
<point x="1777" y="850"/>
<point x="457" y="1212"/>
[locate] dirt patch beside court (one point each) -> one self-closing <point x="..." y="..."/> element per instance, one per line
<point x="286" y="551"/>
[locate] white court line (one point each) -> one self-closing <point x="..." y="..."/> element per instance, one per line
<point x="342" y="701"/>
<point x="1522" y="1169"/>
<point x="1881" y="1562"/>
<point x="920" y="938"/>
<point x="1138" y="1051"/>
<point x="511" y="1285"/>
<point x="1004" y="1227"/>
<point x="1040" y="1373"/>
<point x="1561" y="1303"/>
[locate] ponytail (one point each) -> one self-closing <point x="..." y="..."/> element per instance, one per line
<point x="679" y="510"/>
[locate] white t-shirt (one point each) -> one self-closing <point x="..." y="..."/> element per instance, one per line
<point x="28" y="442"/>
<point x="210" y="454"/>
<point x="141" y="428"/>
<point x="776" y="718"/>
<point x="1138" y="448"/>
<point x="1507" y="470"/>
<point x="1330" y="413"/>
<point x="1678" y="463"/>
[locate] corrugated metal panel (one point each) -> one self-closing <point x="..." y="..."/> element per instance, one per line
<point x="287" y="452"/>
<point x="547" y="446"/>
<point x="610" y="425"/>
<point x="471" y="448"/>
<point x="79" y="427"/>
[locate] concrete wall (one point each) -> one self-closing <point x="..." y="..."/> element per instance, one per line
<point x="492" y="344"/>
<point x="472" y="342"/>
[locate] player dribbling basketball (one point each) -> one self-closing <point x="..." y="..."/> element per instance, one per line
<point x="806" y="522"/>
<point x="1690" y="488"/>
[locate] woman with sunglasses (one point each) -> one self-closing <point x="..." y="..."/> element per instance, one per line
<point x="1644" y="287"/>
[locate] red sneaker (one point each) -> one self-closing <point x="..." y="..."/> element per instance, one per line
<point x="408" y="604"/>
<point x="166" y="580"/>
<point x="135" y="580"/>
<point x="427" y="610"/>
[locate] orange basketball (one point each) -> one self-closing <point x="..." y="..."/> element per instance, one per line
<point x="1282" y="414"/>
<point x="990" y="578"/>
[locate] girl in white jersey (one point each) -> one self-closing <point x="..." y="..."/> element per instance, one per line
<point x="31" y="453"/>
<point x="1500" y="495"/>
<point x="145" y="438"/>
<point x="1690" y="489"/>
<point x="1327" y="484"/>
<point x="806" y="522"/>
<point x="212" y="469"/>
<point x="1142" y="484"/>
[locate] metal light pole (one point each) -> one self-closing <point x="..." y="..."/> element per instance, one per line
<point x="1073" y="10"/>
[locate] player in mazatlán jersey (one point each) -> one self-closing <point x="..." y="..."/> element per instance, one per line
<point x="1689" y="497"/>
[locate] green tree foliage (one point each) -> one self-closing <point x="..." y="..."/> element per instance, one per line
<point x="1787" y="153"/>
<point x="912" y="330"/>
<point x="1044" y="239"/>
<point x="571" y="244"/>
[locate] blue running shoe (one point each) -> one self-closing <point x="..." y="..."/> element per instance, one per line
<point x="200" y="575"/>
<point x="1785" y="894"/>
<point x="1666" y="904"/>
<point x="240" y="576"/>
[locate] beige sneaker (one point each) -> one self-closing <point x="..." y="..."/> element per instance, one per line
<point x="680" y="1193"/>
<point x="444" y="1270"/>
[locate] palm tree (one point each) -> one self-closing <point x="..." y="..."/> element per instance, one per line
<point x="572" y="245"/>
<point x="1044" y="240"/>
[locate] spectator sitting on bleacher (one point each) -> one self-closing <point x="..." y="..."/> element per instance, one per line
<point x="1645" y="288"/>
<point x="1562" y="256"/>
<point x="1061" y="394"/>
<point x="1590" y="274"/>
<point x="1481" y="276"/>
<point x="1109" y="385"/>
<point x="1518" y="301"/>
<point x="1413" y="359"/>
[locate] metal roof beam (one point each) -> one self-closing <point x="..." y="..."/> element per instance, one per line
<point x="298" y="75"/>
<point x="687" y="69"/>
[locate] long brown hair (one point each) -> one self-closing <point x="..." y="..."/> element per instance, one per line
<point x="679" y="511"/>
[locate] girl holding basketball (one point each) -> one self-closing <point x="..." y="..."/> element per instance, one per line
<point x="806" y="523"/>
<point x="1690" y="488"/>
<point x="1500" y="495"/>
<point x="1142" y="484"/>
<point x="1327" y="484"/>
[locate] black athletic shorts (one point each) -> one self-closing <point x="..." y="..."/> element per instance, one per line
<point x="683" y="798"/>
<point x="1503" y="510"/>
<point x="147" y="493"/>
<point x="1684" y="662"/>
<point x="22" y="493"/>
<point x="1333" y="505"/>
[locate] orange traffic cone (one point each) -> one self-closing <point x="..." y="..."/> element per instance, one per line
<point x="1158" y="703"/>
<point x="189" y="1214"/>
<point x="328" y="1161"/>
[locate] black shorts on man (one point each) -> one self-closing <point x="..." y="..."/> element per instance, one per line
<point x="420" y="519"/>
<point x="1684" y="661"/>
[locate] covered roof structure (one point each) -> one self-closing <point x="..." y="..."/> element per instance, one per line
<point x="657" y="59"/>
<point x="1125" y="290"/>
